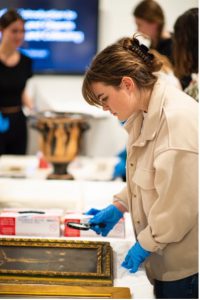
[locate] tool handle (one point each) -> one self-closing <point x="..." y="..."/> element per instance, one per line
<point x="31" y="212"/>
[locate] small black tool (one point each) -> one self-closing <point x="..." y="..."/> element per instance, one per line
<point x="84" y="226"/>
<point x="31" y="212"/>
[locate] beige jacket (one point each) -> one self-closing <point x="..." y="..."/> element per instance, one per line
<point x="162" y="182"/>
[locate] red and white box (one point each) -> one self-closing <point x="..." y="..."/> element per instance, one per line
<point x="117" y="232"/>
<point x="31" y="222"/>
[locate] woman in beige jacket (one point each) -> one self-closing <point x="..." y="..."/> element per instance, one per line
<point x="162" y="185"/>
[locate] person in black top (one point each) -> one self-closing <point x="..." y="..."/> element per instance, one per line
<point x="150" y="21"/>
<point x="15" y="70"/>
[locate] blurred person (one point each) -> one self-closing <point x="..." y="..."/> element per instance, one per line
<point x="186" y="49"/>
<point x="150" y="20"/>
<point x="15" y="70"/>
<point x="161" y="190"/>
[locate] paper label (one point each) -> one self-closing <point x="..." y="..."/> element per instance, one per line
<point x="30" y="225"/>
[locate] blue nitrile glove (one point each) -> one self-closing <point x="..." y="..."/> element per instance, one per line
<point x="120" y="167"/>
<point x="123" y="154"/>
<point x="109" y="216"/>
<point x="4" y="123"/>
<point x="92" y="211"/>
<point x="136" y="255"/>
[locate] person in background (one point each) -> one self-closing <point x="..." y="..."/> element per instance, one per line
<point x="161" y="191"/>
<point x="186" y="49"/>
<point x="150" y="20"/>
<point x="15" y="70"/>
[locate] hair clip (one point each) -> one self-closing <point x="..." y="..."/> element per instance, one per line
<point x="151" y="56"/>
<point x="135" y="42"/>
<point x="144" y="48"/>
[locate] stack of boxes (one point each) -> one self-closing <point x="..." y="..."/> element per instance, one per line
<point x="49" y="223"/>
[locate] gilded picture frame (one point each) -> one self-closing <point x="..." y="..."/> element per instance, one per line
<point x="76" y="292"/>
<point x="51" y="261"/>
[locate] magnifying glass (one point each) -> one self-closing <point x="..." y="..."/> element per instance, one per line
<point x="84" y="226"/>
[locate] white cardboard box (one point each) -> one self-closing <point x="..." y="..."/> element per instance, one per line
<point x="117" y="232"/>
<point x="31" y="222"/>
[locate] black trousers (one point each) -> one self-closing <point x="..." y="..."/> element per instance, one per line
<point x="186" y="288"/>
<point x="14" y="141"/>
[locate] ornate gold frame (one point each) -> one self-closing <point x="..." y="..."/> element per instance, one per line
<point x="47" y="261"/>
<point x="65" y="291"/>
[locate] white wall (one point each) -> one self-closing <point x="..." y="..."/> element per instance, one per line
<point x="106" y="137"/>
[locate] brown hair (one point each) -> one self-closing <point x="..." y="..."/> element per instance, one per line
<point x="10" y="16"/>
<point x="186" y="43"/>
<point x="166" y="64"/>
<point x="124" y="58"/>
<point x="151" y="12"/>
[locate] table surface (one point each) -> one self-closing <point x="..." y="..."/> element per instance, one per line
<point x="35" y="192"/>
<point x="82" y="167"/>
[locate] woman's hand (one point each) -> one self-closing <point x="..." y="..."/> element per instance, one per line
<point x="109" y="216"/>
<point x="136" y="255"/>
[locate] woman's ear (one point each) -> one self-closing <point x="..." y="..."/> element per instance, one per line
<point x="127" y="83"/>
